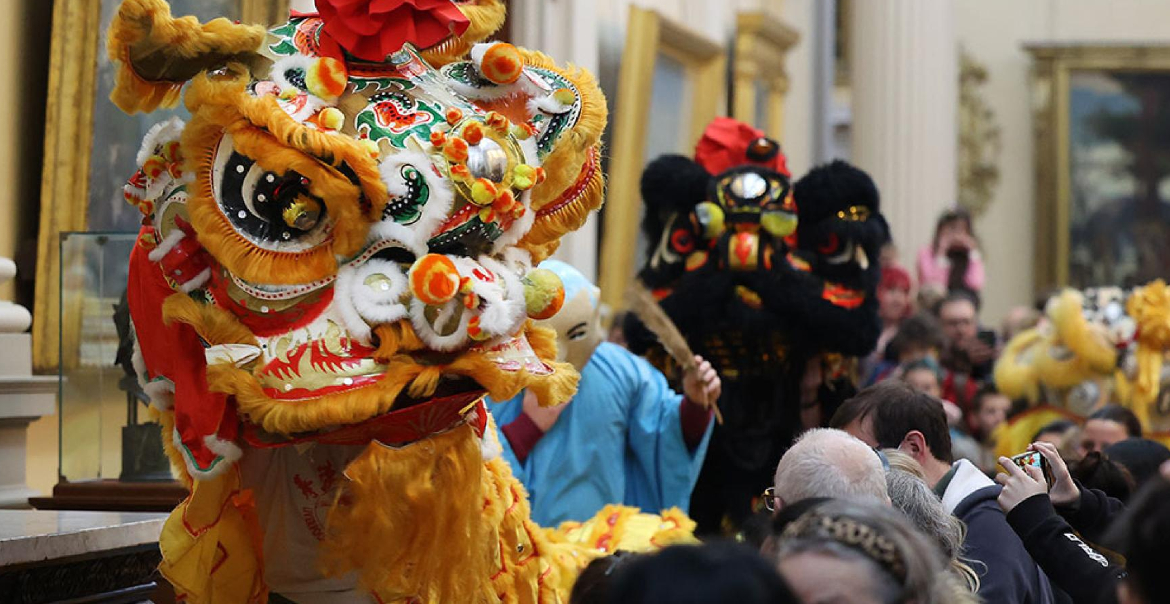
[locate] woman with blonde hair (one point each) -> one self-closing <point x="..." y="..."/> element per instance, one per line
<point x="864" y="554"/>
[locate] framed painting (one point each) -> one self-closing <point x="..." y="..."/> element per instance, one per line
<point x="1102" y="129"/>
<point x="672" y="83"/>
<point x="90" y="144"/>
<point x="759" y="81"/>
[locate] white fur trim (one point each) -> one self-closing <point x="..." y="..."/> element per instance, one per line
<point x="519" y="260"/>
<point x="388" y="230"/>
<point x="477" y="52"/>
<point x="343" y="303"/>
<point x="489" y="446"/>
<point x="227" y="451"/>
<point x="497" y="314"/>
<point x="202" y="278"/>
<point x="435" y="211"/>
<point x="427" y="333"/>
<point x="548" y="104"/>
<point x="513" y="310"/>
<point x="378" y="305"/>
<point x="161" y="393"/>
<point x="162" y="397"/>
<point x="159" y="135"/>
<point x="136" y="359"/>
<point x="531" y="151"/>
<point x="164" y="247"/>
<point x="493" y="93"/>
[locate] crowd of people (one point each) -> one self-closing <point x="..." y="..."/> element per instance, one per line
<point x="876" y="510"/>
<point x="902" y="499"/>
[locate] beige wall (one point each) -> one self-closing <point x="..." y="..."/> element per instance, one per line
<point x="994" y="31"/>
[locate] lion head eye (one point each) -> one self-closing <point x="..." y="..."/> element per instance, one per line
<point x="270" y="210"/>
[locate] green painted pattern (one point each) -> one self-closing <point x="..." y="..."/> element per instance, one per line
<point x="285" y="33"/>
<point x="409" y="116"/>
<point x="412" y="211"/>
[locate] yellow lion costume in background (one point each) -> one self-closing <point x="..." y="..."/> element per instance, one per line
<point x="1095" y="347"/>
<point x="335" y="267"/>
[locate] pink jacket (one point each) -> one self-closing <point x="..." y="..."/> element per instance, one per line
<point x="933" y="270"/>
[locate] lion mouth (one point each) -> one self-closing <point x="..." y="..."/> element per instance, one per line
<point x="411" y="420"/>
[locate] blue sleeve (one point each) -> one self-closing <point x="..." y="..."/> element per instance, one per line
<point x="504" y="413"/>
<point x="660" y="470"/>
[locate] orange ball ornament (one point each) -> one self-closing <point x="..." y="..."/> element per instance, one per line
<point x="326" y="78"/>
<point x="434" y="279"/>
<point x="501" y="63"/>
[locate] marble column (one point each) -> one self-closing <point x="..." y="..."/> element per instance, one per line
<point x="904" y="68"/>
<point x="23" y="397"/>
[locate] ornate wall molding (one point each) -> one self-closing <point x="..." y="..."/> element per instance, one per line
<point x="979" y="138"/>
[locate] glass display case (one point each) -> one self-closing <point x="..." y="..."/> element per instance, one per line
<point x="108" y="443"/>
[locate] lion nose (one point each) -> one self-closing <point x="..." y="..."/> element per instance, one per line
<point x="743" y="251"/>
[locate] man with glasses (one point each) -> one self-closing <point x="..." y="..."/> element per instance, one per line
<point x="968" y="354"/>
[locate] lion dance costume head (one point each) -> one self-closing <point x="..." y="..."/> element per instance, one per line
<point x="763" y="277"/>
<point x="335" y="266"/>
<point x="1094" y="347"/>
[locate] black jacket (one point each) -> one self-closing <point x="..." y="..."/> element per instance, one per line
<point x="1072" y="565"/>
<point x="1007" y="574"/>
<point x="1093" y="514"/>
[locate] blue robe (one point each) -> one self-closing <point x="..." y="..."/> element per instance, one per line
<point x="618" y="441"/>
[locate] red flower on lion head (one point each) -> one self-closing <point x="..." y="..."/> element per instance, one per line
<point x="372" y="30"/>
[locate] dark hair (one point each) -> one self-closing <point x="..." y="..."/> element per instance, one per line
<point x="953" y="215"/>
<point x="1096" y="471"/>
<point x="960" y="259"/>
<point x="921" y="330"/>
<point x="1121" y="415"/>
<point x="958" y="294"/>
<point x="984" y="391"/>
<point x="594" y="582"/>
<point x="1141" y="456"/>
<point x="715" y="573"/>
<point x="1141" y="535"/>
<point x="1056" y="426"/>
<point x="896" y="409"/>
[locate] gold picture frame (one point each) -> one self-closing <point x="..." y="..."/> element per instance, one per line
<point x="77" y="40"/>
<point x="649" y="36"/>
<point x="1070" y="84"/>
<point x="762" y="43"/>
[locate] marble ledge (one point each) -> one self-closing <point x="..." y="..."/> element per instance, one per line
<point x="30" y="536"/>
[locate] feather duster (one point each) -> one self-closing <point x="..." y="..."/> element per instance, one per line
<point x="646" y="308"/>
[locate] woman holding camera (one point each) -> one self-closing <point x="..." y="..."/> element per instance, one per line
<point x="952" y="260"/>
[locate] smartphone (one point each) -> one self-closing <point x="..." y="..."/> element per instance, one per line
<point x="1036" y="460"/>
<point x="987" y="336"/>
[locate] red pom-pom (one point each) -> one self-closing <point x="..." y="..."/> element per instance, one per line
<point x="728" y="143"/>
<point x="374" y="29"/>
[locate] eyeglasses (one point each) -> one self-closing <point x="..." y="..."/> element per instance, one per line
<point x="769" y="498"/>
